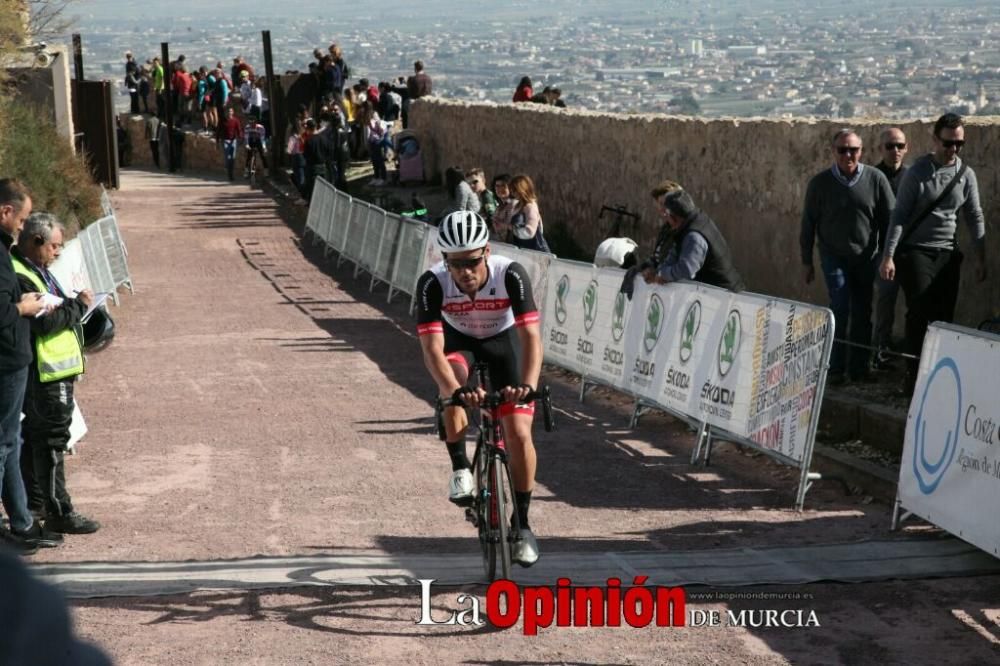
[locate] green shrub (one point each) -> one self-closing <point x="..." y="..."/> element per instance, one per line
<point x="60" y="181"/>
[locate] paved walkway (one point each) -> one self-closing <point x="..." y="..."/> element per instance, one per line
<point x="258" y="402"/>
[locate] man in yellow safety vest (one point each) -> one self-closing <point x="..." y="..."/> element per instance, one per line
<point x="57" y="361"/>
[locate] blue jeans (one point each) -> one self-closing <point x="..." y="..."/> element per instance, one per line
<point x="229" y="147"/>
<point x="850" y="282"/>
<point x="15" y="500"/>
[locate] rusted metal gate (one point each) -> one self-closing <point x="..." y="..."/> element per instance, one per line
<point x="94" y="119"/>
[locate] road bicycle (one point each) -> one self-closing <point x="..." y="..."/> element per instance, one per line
<point x="493" y="510"/>
<point x="252" y="166"/>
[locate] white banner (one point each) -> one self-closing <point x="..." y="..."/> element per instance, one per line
<point x="605" y="319"/>
<point x="950" y="471"/>
<point x="70" y="268"/>
<point x="564" y="332"/>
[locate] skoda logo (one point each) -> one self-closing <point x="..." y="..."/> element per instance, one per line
<point x="590" y="306"/>
<point x="562" y="288"/>
<point x="618" y="317"/>
<point x="729" y="343"/>
<point x="689" y="329"/>
<point x="935" y="443"/>
<point x="654" y="322"/>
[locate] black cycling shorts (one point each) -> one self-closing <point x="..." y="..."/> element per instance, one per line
<point x="501" y="353"/>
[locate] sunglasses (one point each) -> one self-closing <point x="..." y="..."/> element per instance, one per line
<point x="952" y="143"/>
<point x="853" y="150"/>
<point x="895" y="146"/>
<point x="465" y="264"/>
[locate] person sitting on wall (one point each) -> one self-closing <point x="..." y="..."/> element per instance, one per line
<point x="696" y="250"/>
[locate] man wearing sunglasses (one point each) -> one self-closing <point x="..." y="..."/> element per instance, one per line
<point x="921" y="252"/>
<point x="892" y="146"/>
<point x="476" y="305"/>
<point x="845" y="207"/>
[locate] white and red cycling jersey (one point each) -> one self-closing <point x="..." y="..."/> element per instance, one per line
<point x="504" y="301"/>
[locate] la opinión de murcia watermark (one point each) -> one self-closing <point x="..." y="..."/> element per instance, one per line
<point x="612" y="605"/>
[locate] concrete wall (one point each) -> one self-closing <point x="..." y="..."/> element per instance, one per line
<point x="200" y="151"/>
<point x="750" y="175"/>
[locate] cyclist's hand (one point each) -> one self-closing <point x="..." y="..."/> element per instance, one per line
<point x="472" y="397"/>
<point x="516" y="394"/>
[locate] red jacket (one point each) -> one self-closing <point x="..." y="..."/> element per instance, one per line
<point x="523" y="94"/>
<point x="182" y="83"/>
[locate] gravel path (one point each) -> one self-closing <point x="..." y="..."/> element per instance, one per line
<point x="260" y="401"/>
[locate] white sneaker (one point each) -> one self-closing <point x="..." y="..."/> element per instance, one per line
<point x="460" y="487"/>
<point x="525" y="550"/>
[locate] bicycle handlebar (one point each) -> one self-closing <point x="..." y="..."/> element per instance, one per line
<point x="495" y="399"/>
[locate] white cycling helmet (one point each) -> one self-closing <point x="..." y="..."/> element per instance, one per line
<point x="462" y="231"/>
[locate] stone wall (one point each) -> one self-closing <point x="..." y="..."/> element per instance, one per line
<point x="750" y="175"/>
<point x="200" y="151"/>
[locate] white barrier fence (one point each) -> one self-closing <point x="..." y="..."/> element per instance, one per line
<point x="387" y="246"/>
<point x="950" y="471"/>
<point x="96" y="259"/>
<point x="742" y="367"/>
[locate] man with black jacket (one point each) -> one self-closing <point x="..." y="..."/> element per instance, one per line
<point x="57" y="362"/>
<point x="15" y="355"/>
<point x="697" y="251"/>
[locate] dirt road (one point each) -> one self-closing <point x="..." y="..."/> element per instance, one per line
<point x="258" y="400"/>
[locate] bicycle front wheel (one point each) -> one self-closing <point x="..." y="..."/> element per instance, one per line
<point x="484" y="493"/>
<point x="502" y="504"/>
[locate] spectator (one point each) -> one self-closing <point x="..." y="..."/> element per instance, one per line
<point x="315" y="154"/>
<point x="371" y="92"/>
<point x="16" y="311"/>
<point x="339" y="137"/>
<point x="57" y="362"/>
<point x="159" y="86"/>
<point x="153" y="130"/>
<point x="545" y="97"/>
<point x="892" y="146"/>
<point x="523" y="93"/>
<point x="921" y="251"/>
<point x="296" y="156"/>
<point x="487" y="201"/>
<point x="526" y="220"/>
<point x="246" y="91"/>
<point x="239" y="66"/>
<point x="230" y="135"/>
<point x="389" y="103"/>
<point x="132" y="82"/>
<point x="220" y="94"/>
<point x="144" y="88"/>
<point x="181" y="83"/>
<point x="501" y="229"/>
<point x="697" y="250"/>
<point x="418" y="85"/>
<point x="845" y="206"/>
<point x="203" y="99"/>
<point x="377" y="139"/>
<point x="460" y="195"/>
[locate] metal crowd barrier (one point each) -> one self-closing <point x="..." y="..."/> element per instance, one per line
<point x="97" y="258"/>
<point x="386" y="246"/>
<point x="738" y="367"/>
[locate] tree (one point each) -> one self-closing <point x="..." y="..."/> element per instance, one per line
<point x="846" y="109"/>
<point x="49" y="18"/>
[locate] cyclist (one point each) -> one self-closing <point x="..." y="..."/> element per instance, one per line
<point x="475" y="304"/>
<point x="256" y="138"/>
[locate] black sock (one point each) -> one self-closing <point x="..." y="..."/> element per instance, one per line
<point x="456" y="450"/>
<point x="523" y="502"/>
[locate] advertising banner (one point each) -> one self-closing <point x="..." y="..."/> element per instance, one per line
<point x="606" y="314"/>
<point x="568" y="316"/>
<point x="950" y="470"/>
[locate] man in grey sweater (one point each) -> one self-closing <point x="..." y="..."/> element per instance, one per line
<point x="845" y="207"/>
<point x="921" y="251"/>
